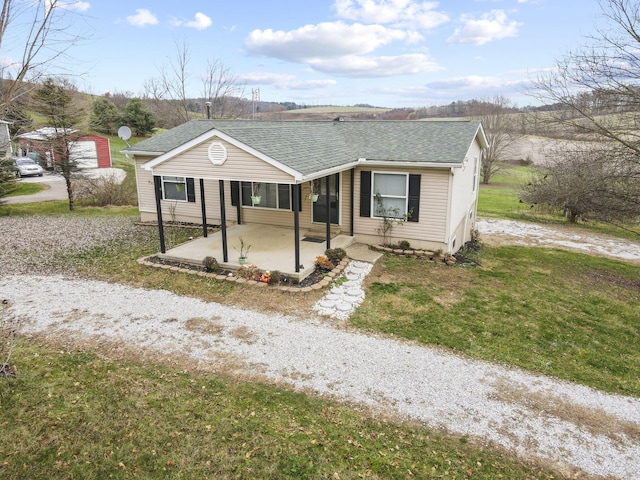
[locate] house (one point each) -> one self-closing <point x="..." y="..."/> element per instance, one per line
<point x="89" y="151"/>
<point x="213" y="171"/>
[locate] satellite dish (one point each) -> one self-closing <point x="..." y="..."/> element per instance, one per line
<point x="124" y="133"/>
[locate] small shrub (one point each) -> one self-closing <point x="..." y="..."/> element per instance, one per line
<point x="275" y="278"/>
<point x="323" y="264"/>
<point x="335" y="255"/>
<point x="404" y="245"/>
<point x="211" y="264"/>
<point x="103" y="191"/>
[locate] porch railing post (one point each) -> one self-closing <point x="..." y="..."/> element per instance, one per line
<point x="296" y="224"/>
<point x="351" y="199"/>
<point x="223" y="221"/>
<point x="328" y="211"/>
<point x="157" y="184"/>
<point x="204" y="209"/>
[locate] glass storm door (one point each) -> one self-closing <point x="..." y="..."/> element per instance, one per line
<point x="320" y="207"/>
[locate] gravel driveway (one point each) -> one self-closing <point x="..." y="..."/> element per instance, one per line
<point x="571" y="427"/>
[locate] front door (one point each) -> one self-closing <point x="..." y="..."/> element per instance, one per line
<point x="320" y="207"/>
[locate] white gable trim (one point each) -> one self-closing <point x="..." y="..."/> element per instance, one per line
<point x="223" y="136"/>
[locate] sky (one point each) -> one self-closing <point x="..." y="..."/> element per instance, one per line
<point x="387" y="53"/>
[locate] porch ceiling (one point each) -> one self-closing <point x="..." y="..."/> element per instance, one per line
<point x="272" y="248"/>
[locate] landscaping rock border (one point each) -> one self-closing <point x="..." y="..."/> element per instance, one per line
<point x="325" y="281"/>
<point x="416" y="253"/>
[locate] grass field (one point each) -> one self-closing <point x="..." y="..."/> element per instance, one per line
<point x="26" y="188"/>
<point x="501" y="199"/>
<point x="73" y="414"/>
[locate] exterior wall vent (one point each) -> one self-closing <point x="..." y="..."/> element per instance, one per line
<point x="217" y="153"/>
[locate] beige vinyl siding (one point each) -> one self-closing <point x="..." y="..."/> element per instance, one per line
<point x="177" y="210"/>
<point x="463" y="197"/>
<point x="239" y="165"/>
<point x="430" y="230"/>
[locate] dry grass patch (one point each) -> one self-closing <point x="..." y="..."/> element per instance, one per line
<point x="203" y="325"/>
<point x="244" y="334"/>
<point x="595" y="421"/>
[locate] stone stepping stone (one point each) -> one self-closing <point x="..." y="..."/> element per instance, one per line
<point x="332" y="297"/>
<point x="355" y="292"/>
<point x="344" y="307"/>
<point x="326" y="304"/>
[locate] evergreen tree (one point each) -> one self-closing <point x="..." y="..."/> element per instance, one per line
<point x="55" y="103"/>
<point x="105" y="117"/>
<point x="136" y="116"/>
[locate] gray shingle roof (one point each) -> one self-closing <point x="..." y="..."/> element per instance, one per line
<point x="310" y="147"/>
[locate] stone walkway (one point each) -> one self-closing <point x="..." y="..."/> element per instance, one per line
<point x="341" y="301"/>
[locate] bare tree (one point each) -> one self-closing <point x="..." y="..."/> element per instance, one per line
<point x="496" y="116"/>
<point x="596" y="92"/>
<point x="168" y="93"/>
<point x="578" y="182"/>
<point x="222" y="88"/>
<point x="39" y="32"/>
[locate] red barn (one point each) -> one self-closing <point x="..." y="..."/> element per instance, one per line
<point x="89" y="151"/>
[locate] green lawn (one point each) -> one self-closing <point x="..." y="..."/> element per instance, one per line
<point x="26" y="188"/>
<point x="73" y="414"/>
<point x="554" y="312"/>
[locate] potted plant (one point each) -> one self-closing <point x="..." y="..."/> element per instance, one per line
<point x="244" y="251"/>
<point x="255" y="194"/>
<point x="315" y="190"/>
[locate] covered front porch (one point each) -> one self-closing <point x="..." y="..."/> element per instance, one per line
<point x="272" y="248"/>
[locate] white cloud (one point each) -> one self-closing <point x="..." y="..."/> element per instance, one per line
<point x="265" y="78"/>
<point x="490" y="26"/>
<point x="284" y="81"/>
<point x="200" y="22"/>
<point x="325" y="40"/>
<point x="310" y="85"/>
<point x="383" y="66"/>
<point x="400" y="13"/>
<point x="74" y="6"/>
<point x="142" y="18"/>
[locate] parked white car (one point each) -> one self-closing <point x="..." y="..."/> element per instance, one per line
<point x="26" y="167"/>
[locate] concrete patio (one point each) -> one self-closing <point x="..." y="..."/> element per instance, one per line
<point x="272" y="248"/>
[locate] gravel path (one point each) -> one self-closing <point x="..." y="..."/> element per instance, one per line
<point x="570" y="426"/>
<point x="522" y="233"/>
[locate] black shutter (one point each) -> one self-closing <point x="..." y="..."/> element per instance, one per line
<point x="191" y="190"/>
<point x="235" y="193"/>
<point x="365" y="193"/>
<point x="284" y="196"/>
<point x="414" y="197"/>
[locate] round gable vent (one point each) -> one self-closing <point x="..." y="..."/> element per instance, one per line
<point x="217" y="153"/>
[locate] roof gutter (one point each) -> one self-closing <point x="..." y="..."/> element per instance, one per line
<point x="387" y="163"/>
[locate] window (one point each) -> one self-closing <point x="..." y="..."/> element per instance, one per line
<point x="272" y="195"/>
<point x="475" y="174"/>
<point x="390" y="194"/>
<point x="174" y="188"/>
